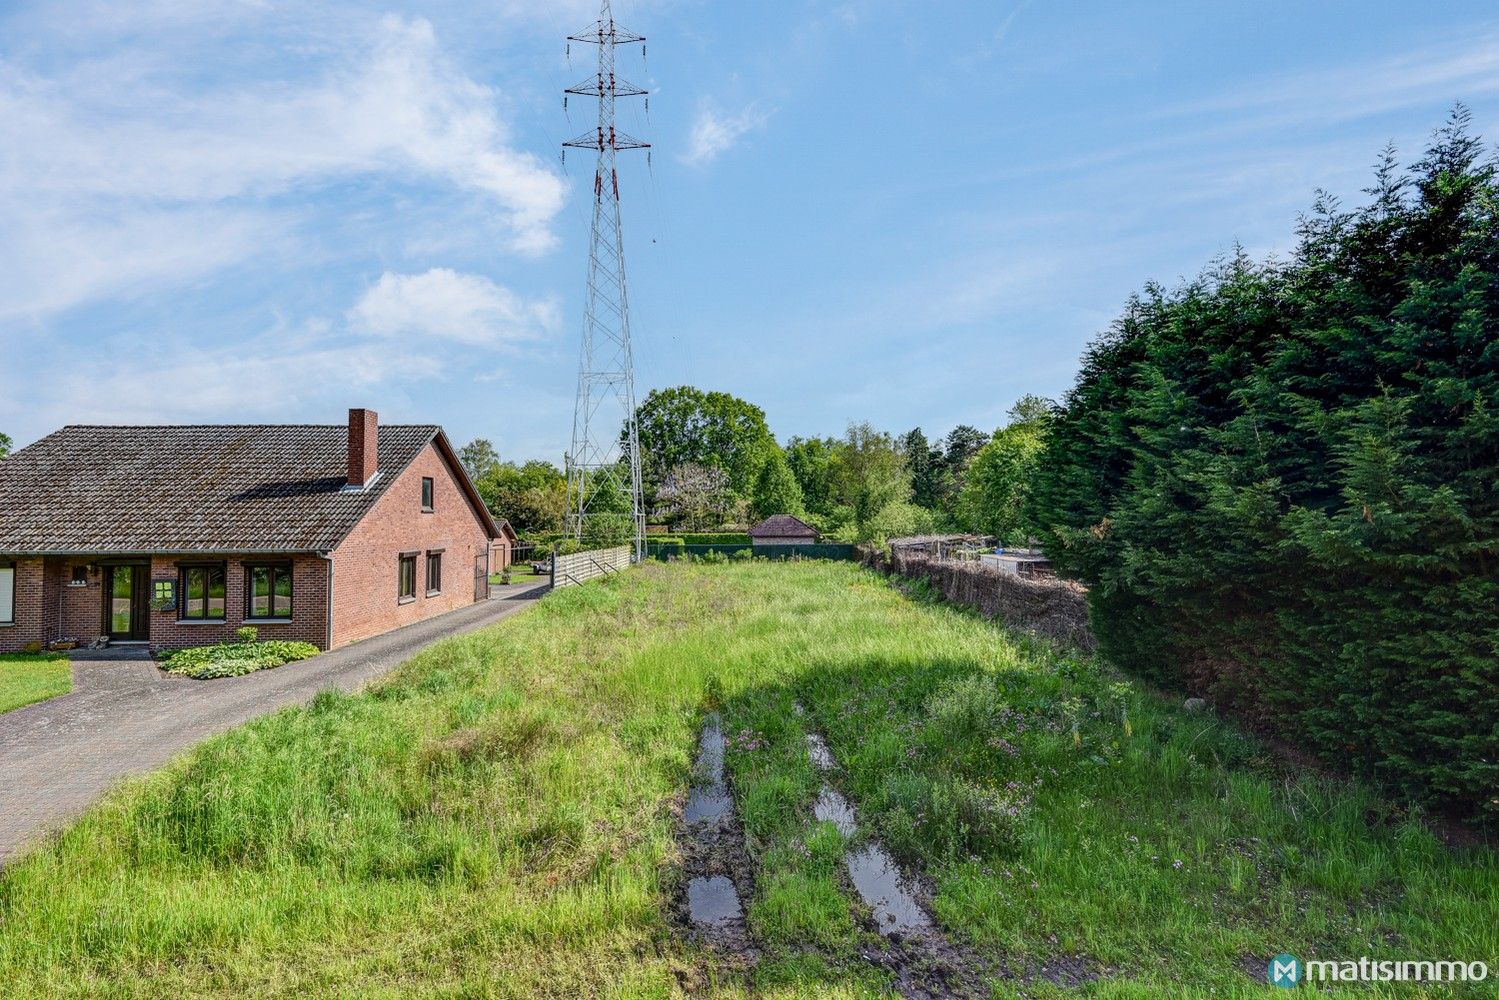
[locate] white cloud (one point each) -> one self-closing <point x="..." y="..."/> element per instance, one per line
<point x="716" y="132"/>
<point x="1458" y="67"/>
<point x="127" y="171"/>
<point x="448" y="305"/>
<point x="403" y="331"/>
<point x="279" y="373"/>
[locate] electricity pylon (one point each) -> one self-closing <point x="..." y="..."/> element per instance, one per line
<point x="603" y="467"/>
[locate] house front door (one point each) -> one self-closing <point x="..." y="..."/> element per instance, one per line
<point x="126" y="609"/>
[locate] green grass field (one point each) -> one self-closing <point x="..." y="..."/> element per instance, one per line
<point x="520" y="573"/>
<point x="25" y="678"/>
<point x="497" y="819"/>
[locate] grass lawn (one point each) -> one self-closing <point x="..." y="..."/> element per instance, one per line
<point x="25" y="678"/>
<point x="520" y="573"/>
<point x="498" y="819"/>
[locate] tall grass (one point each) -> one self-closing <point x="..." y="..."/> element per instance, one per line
<point x="496" y="819"/>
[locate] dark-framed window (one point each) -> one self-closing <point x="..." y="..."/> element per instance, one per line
<point x="428" y="493"/>
<point x="7" y="593"/>
<point x="407" y="586"/>
<point x="268" y="590"/>
<point x="204" y="592"/>
<point x="434" y="573"/>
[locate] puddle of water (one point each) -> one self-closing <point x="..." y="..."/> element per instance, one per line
<point x="879" y="884"/>
<point x="709" y="801"/>
<point x="832" y="807"/>
<point x="705" y="805"/>
<point x="817" y="750"/>
<point x="713" y="901"/>
<point x="710" y="747"/>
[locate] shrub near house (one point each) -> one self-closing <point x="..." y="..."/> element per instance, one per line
<point x="233" y="659"/>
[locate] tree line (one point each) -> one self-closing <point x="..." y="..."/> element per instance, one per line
<point x="710" y="462"/>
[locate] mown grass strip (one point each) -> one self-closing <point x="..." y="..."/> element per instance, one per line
<point x="26" y="678"/>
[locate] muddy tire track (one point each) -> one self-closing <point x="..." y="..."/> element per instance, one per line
<point x="923" y="962"/>
<point x="717" y="874"/>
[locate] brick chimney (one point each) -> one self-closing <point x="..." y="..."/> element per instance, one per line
<point x="364" y="447"/>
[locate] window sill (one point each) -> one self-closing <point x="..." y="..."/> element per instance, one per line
<point x="267" y="621"/>
<point x="434" y="593"/>
<point x="429" y="510"/>
<point x="202" y="621"/>
<point x="406" y="600"/>
<point x="7" y="624"/>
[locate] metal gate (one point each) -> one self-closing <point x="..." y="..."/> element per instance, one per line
<point x="481" y="578"/>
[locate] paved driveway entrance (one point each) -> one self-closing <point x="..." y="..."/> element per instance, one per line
<point x="125" y="716"/>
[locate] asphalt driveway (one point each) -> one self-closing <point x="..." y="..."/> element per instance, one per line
<point x="125" y="716"/>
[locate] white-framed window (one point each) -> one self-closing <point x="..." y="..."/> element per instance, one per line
<point x="7" y="593"/>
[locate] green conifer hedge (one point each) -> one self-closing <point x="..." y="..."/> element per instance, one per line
<point x="1281" y="481"/>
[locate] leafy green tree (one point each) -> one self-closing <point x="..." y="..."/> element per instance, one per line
<point x="776" y="489"/>
<point x="532" y="497"/>
<point x="478" y="458"/>
<point x="869" y="473"/>
<point x="695" y="496"/>
<point x="687" y="425"/>
<point x="811" y="461"/>
<point x="993" y="500"/>
<point x="899" y="519"/>
<point x="5" y="445"/>
<point x="608" y="520"/>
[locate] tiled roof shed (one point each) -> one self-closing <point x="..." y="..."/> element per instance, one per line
<point x="197" y="488"/>
<point x="783" y="526"/>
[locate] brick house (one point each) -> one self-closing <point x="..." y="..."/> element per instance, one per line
<point x="179" y="535"/>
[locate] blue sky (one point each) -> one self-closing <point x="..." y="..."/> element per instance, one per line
<point x="905" y="212"/>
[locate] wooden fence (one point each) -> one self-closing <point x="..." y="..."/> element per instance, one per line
<point x="580" y="567"/>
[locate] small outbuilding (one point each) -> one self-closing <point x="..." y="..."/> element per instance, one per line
<point x="782" y="529"/>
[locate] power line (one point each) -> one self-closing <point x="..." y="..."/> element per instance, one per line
<point x="604" y="462"/>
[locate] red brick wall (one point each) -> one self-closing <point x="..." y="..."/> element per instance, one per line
<point x="47" y="609"/>
<point x="80" y="610"/>
<point x="31" y="618"/>
<point x="309" y="607"/>
<point x="365" y="581"/>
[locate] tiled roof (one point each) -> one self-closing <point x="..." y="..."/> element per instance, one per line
<point x="215" y="488"/>
<point x="783" y="526"/>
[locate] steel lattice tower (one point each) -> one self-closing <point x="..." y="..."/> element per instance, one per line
<point x="603" y="466"/>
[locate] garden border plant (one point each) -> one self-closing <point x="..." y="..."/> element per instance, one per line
<point x="245" y="655"/>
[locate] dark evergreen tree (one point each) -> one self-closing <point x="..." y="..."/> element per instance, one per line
<point x="1282" y="481"/>
<point x="927" y="469"/>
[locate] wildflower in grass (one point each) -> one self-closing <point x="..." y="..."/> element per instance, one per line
<point x="1004" y="746"/>
<point x="1177" y="864"/>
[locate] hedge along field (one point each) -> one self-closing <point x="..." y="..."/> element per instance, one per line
<point x="498" y="818"/>
<point x="1281" y="482"/>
